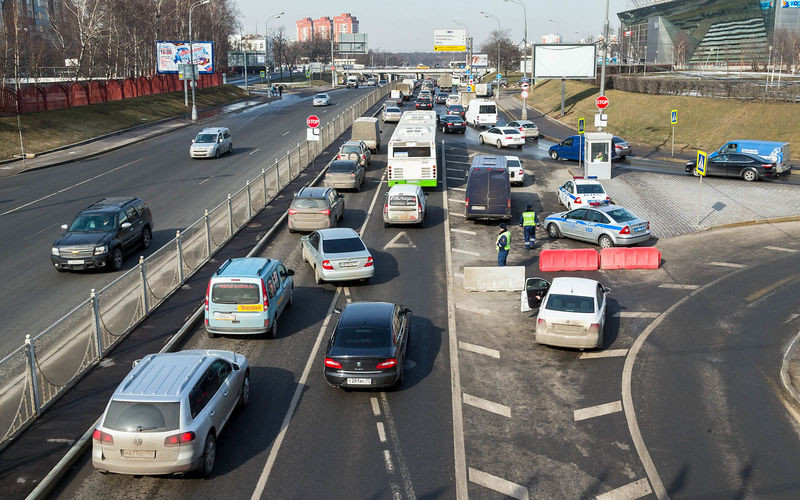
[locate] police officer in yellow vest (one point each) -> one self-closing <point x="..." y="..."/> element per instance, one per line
<point x="503" y="244"/>
<point x="528" y="224"/>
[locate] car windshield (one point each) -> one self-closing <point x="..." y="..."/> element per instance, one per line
<point x="364" y="337"/>
<point x="570" y="303"/>
<point x="134" y="416"/>
<point x="343" y="245"/>
<point x="351" y="149"/>
<point x="513" y="163"/>
<point x="205" y="138"/>
<point x="320" y="96"/>
<point x="235" y="293"/>
<point x="93" y="223"/>
<point x="342" y="166"/>
<point x="590" y="189"/>
<point x="621" y="215"/>
<point x="308" y="203"/>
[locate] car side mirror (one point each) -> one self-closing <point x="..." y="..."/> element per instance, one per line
<point x="192" y="141"/>
<point x="219" y="140"/>
<point x="236" y="367"/>
<point x="304" y="238"/>
<point x="288" y="272"/>
<point x="135" y="362"/>
<point x="125" y="225"/>
<point x="64" y="227"/>
<point x="407" y="311"/>
<point x="606" y="289"/>
<point x="337" y="310"/>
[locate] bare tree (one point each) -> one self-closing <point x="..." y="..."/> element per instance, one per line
<point x="509" y="52"/>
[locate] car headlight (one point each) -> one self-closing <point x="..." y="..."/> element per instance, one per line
<point x="100" y="250"/>
<point x="54" y="251"/>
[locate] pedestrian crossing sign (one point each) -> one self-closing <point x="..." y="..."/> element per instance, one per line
<point x="700" y="166"/>
<point x="673" y="116"/>
<point x="581" y="125"/>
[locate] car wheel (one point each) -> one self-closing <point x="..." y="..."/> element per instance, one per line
<point x="480" y="139"/>
<point x="209" y="455"/>
<point x="553" y="232"/>
<point x="216" y="154"/>
<point x="291" y="297"/>
<point x="386" y="224"/>
<point x="116" y="259"/>
<point x="443" y="130"/>
<point x="622" y="158"/>
<point x="749" y="175"/>
<point x="499" y="144"/>
<point x="210" y="335"/>
<point x="292" y="231"/>
<point x="273" y="331"/>
<point x="400" y="377"/>
<point x="695" y="172"/>
<point x="519" y="146"/>
<point x="554" y="155"/>
<point x="605" y="241"/>
<point x="147" y="238"/>
<point x="230" y="148"/>
<point x="317" y="277"/>
<point x="244" y="393"/>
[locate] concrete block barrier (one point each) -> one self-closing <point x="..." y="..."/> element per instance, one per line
<point x="630" y="258"/>
<point x="579" y="259"/>
<point x="494" y="279"/>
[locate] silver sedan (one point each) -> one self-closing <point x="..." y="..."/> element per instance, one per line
<point x="321" y="100"/>
<point x="606" y="225"/>
<point x="338" y="254"/>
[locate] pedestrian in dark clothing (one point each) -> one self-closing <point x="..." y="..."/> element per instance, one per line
<point x="527" y="222"/>
<point x="280" y="90"/>
<point x="503" y="244"/>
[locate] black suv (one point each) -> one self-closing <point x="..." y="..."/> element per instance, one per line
<point x="102" y="234"/>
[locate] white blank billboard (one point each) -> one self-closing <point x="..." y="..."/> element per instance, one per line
<point x="570" y="61"/>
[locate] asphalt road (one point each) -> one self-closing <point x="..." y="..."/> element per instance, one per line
<point x="34" y="204"/>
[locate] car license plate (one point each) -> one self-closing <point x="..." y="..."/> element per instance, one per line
<point x="359" y="381"/>
<point x="224" y="316"/>
<point x="348" y="264"/>
<point x="139" y="453"/>
<point x="637" y="229"/>
<point x="250" y="307"/>
<point x="478" y="207"/>
<point x="74" y="262"/>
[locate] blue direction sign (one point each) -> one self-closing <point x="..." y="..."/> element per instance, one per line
<point x="702" y="157"/>
<point x="499" y="76"/>
<point x="469" y="88"/>
<point x="467" y="71"/>
<point x="673" y="116"/>
<point x="581" y="125"/>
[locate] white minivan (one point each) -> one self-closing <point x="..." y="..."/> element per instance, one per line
<point x="481" y="112"/>
<point x="405" y="204"/>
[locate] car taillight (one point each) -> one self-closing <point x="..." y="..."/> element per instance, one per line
<point x="767" y="165"/>
<point x="264" y="294"/>
<point x="326" y="264"/>
<point x="648" y="226"/>
<point x="578" y="200"/>
<point x="389" y="363"/>
<point x="292" y="211"/>
<point x="594" y="328"/>
<point x="208" y="290"/>
<point x="508" y="205"/>
<point x="608" y="199"/>
<point x="330" y="363"/>
<point x="386" y="207"/>
<point x="338" y="157"/>
<point x="419" y="207"/>
<point x="466" y="202"/>
<point x="521" y="129"/>
<point x="179" y="439"/>
<point x="369" y="262"/>
<point x="102" y="437"/>
<point x="326" y="211"/>
<point x="625" y="230"/>
<point x="509" y="138"/>
<point x="541" y="325"/>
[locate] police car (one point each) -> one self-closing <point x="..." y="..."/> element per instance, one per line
<point x="605" y="225"/>
<point x="582" y="192"/>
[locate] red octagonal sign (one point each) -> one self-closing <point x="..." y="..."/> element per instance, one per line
<point x="312" y="121"/>
<point x="601" y="102"/>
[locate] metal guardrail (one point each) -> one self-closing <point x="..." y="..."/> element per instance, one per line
<point x="36" y="374"/>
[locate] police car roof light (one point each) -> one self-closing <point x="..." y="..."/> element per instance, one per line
<point x="577" y="177"/>
<point x="592" y="177"/>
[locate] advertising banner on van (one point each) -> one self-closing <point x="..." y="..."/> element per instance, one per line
<point x="449" y="40"/>
<point x="171" y="53"/>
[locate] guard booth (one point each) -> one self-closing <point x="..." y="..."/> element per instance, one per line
<point x="598" y="155"/>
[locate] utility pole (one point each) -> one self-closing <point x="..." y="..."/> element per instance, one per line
<point x="191" y="56"/>
<point x="241" y="46"/>
<point x="521" y="3"/>
<point x="266" y="51"/>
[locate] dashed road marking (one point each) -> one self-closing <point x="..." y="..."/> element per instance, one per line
<point x="486" y="351"/>
<point x="485" y="404"/>
<point x="454" y="200"/>
<point x="610" y="353"/>
<point x="376" y="410"/>
<point x="347" y="291"/>
<point x="635" y="314"/>
<point x="466" y="252"/>
<point x="394" y="241"/>
<point x="205" y="180"/>
<point x="597" y="411"/>
<point x="458" y="189"/>
<point x="464" y="231"/>
<point x="253" y="151"/>
<point x="387" y="458"/>
<point x="498" y="484"/>
<point x="457" y="214"/>
<point x="285" y="133"/>
<point x="402" y="466"/>
<point x="630" y="491"/>
<point x="381" y="432"/>
<point x="455" y="169"/>
<point x="725" y="264"/>
<point x="782" y="249"/>
<point x="679" y="286"/>
<point x="455" y="178"/>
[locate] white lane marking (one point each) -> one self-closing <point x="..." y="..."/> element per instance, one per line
<point x="457" y="214"/>
<point x="630" y="491"/>
<point x="725" y="264"/>
<point x="206" y="180"/>
<point x="597" y="411"/>
<point x="253" y="151"/>
<point x="678" y="286"/>
<point x="454" y="178"/>
<point x="387" y="458"/>
<point x="454" y="200"/>
<point x="479" y="349"/>
<point x="458" y="189"/>
<point x="459" y="275"/>
<point x="371" y="207"/>
<point x="464" y="231"/>
<point x="466" y="252"/>
<point x="395" y="244"/>
<point x="459" y="452"/>
<point x="285" y="133"/>
<point x="61" y="440"/>
<point x="376" y="410"/>
<point x="346" y="291"/>
<point x="782" y="249"/>
<point x="349" y="300"/>
<point x="381" y="432"/>
<point x="456" y="170"/>
<point x="396" y="493"/>
<point x="405" y="475"/>
<point x="70" y="187"/>
<point x="610" y="353"/>
<point x="485" y="404"/>
<point x="498" y="484"/>
<point x="287" y="419"/>
<point x="635" y="314"/>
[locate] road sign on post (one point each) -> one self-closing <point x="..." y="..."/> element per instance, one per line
<point x="581" y="125"/>
<point x="524" y="85"/>
<point x="581" y="129"/>
<point x="524" y="94"/>
<point x="499" y="76"/>
<point x="601" y="102"/>
<point x="700" y="169"/>
<point x="312" y="121"/>
<point x="673" y="119"/>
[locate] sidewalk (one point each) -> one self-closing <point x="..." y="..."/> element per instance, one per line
<point x="116" y="140"/>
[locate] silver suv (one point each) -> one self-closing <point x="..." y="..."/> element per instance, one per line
<point x="165" y="416"/>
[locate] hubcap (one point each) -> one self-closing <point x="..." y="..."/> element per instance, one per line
<point x="246" y="390"/>
<point x="117" y="258"/>
<point x="210" y="455"/>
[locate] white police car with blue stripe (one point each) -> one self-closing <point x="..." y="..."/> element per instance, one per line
<point x="605" y="225"/>
<point x="582" y="192"/>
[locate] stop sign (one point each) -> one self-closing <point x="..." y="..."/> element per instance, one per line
<point x="312" y="121"/>
<point x="601" y="102"/>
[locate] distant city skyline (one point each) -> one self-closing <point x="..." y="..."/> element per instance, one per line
<point x="411" y="29"/>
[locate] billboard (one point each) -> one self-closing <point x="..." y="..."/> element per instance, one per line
<point x="353" y="43"/>
<point x="570" y="61"/>
<point x="170" y="54"/>
<point x="449" y="40"/>
<point x="479" y="61"/>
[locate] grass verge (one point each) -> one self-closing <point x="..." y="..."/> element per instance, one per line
<point x="703" y="123"/>
<point x="51" y="129"/>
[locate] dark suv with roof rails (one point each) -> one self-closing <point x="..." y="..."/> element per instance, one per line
<point x="102" y="234"/>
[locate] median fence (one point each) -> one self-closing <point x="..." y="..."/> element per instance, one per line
<point x="46" y="365"/>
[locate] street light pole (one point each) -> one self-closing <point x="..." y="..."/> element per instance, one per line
<point x="267" y="46"/>
<point x="521" y="3"/>
<point x="469" y="45"/>
<point x="558" y="23"/>
<point x="191" y="55"/>
<point x="497" y="41"/>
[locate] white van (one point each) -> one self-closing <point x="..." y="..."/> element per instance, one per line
<point x="481" y="112"/>
<point x="352" y="81"/>
<point x="405" y="204"/>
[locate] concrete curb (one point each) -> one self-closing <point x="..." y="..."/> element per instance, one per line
<point x="786" y="380"/>
<point x="51" y="480"/>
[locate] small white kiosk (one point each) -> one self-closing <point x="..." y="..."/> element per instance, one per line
<point x="598" y="155"/>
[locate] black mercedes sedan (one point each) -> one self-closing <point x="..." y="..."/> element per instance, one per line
<point x="747" y="166"/>
<point x="452" y="124"/>
<point x="368" y="346"/>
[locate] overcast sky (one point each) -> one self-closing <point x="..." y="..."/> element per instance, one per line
<point x="401" y="26"/>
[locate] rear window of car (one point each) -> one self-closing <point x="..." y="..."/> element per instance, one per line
<point x="570" y="303"/>
<point x="392" y="110"/>
<point x="621" y="215"/>
<point x="510" y="131"/>
<point x="308" y="203"/>
<point x="528" y="125"/>
<point x="513" y="163"/>
<point x="142" y="417"/>
<point x="205" y="138"/>
<point x="362" y="337"/>
<point x="351" y="149"/>
<point x="235" y="293"/>
<point x="342" y="166"/>
<point x="343" y="245"/>
<point x="403" y="200"/>
<point x="590" y="189"/>
<point x="487" y="108"/>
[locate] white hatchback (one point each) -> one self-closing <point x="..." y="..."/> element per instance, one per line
<point x="451" y="100"/>
<point x="516" y="173"/>
<point x="502" y="137"/>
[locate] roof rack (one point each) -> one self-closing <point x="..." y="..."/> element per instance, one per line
<point x="266" y="263"/>
<point x="223" y="266"/>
